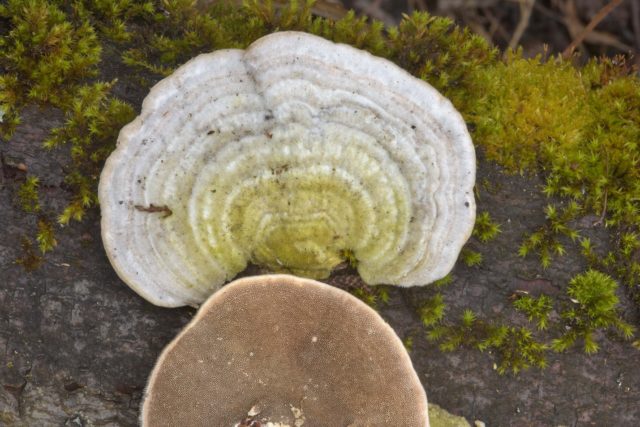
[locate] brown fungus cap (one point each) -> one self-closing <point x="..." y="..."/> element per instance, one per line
<point x="288" y="351"/>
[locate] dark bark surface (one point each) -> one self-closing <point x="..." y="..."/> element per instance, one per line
<point x="77" y="345"/>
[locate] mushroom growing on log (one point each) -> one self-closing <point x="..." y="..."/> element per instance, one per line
<point x="289" y="154"/>
<point x="288" y="351"/>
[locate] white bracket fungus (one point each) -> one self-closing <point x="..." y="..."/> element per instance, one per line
<point x="288" y="154"/>
<point x="287" y="351"/>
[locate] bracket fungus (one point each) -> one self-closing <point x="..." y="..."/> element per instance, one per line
<point x="288" y="154"/>
<point x="289" y="351"/>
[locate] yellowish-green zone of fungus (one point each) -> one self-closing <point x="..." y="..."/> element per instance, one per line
<point x="305" y="231"/>
<point x="300" y="207"/>
<point x="290" y="154"/>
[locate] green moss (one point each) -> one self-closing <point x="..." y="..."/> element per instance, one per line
<point x="177" y="32"/>
<point x="536" y="309"/>
<point x="527" y="106"/>
<point x="113" y="18"/>
<point x="546" y="241"/>
<point x="579" y="128"/>
<point x="593" y="307"/>
<point x="485" y="229"/>
<point x="28" y="195"/>
<point x="470" y="257"/>
<point x="446" y="280"/>
<point x="432" y="310"/>
<point x="447" y="56"/>
<point x="372" y="296"/>
<point x="621" y="261"/>
<point x="44" y="55"/>
<point x="518" y="350"/>
<point x="92" y="122"/>
<point x="515" y="347"/>
<point x="452" y="336"/>
<point x="432" y="48"/>
<point x="46" y="237"/>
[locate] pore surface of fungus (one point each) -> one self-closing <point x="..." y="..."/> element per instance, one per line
<point x="287" y="350"/>
<point x="288" y="154"/>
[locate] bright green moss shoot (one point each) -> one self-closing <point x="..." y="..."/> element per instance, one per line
<point x="485" y="228"/>
<point x="594" y="307"/>
<point x="537" y="309"/>
<point x="44" y="56"/>
<point x="515" y="347"/>
<point x="28" y="195"/>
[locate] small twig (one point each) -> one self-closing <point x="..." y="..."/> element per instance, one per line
<point x="152" y="208"/>
<point x="526" y="6"/>
<point x="602" y="13"/>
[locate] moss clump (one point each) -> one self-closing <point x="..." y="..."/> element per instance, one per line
<point x="372" y="296"/>
<point x="92" y="122"/>
<point x="28" y="195"/>
<point x="432" y="310"/>
<point x="441" y="283"/>
<point x="445" y="55"/>
<point x="518" y="350"/>
<point x="470" y="257"/>
<point x="536" y="309"/>
<point x="348" y="256"/>
<point x="432" y="48"/>
<point x="178" y="31"/>
<point x="112" y="18"/>
<point x="594" y="307"/>
<point x="546" y="241"/>
<point x="528" y="106"/>
<point x="44" y="57"/>
<point x="47" y="57"/>
<point x="485" y="228"/>
<point x="516" y="347"/>
<point x="580" y="129"/>
<point x="438" y="417"/>
<point x="46" y="237"/>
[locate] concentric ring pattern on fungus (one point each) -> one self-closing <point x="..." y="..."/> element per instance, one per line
<point x="289" y="154"/>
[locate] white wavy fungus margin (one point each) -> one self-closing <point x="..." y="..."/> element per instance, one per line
<point x="287" y="154"/>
